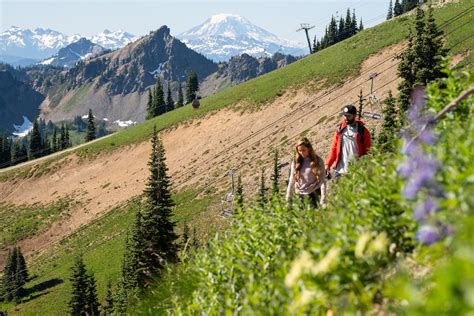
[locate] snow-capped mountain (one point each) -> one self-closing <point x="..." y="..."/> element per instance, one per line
<point x="226" y="35"/>
<point x="43" y="43"/>
<point x="71" y="54"/>
<point x="37" y="44"/>
<point x="113" y="40"/>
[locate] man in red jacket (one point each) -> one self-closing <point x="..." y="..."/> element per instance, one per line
<point x="351" y="141"/>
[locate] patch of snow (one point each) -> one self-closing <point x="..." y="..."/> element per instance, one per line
<point x="157" y="70"/>
<point x="105" y="119"/>
<point x="125" y="123"/>
<point x="85" y="116"/>
<point x="47" y="61"/>
<point x="23" y="129"/>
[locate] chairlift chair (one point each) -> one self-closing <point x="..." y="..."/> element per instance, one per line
<point x="374" y="102"/>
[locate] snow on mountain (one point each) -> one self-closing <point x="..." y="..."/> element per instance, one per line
<point x="74" y="52"/>
<point x="225" y="35"/>
<point x="44" y="43"/>
<point x="23" y="129"/>
<point x="113" y="40"/>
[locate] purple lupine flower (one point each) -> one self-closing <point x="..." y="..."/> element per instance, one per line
<point x="405" y="169"/>
<point x="428" y="137"/>
<point x="427" y="235"/>
<point x="424" y="208"/>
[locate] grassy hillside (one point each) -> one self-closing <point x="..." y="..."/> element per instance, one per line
<point x="102" y="241"/>
<point x="325" y="68"/>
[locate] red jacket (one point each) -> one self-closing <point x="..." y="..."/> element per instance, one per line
<point x="363" y="143"/>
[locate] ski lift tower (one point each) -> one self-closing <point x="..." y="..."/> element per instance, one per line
<point x="306" y="28"/>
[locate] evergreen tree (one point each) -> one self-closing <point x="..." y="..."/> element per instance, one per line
<point x="62" y="139"/>
<point x="79" y="283"/>
<point x="67" y="140"/>
<point x="434" y="52"/>
<point x="90" y="129"/>
<point x="409" y="5"/>
<point x="120" y="300"/>
<point x="386" y="138"/>
<point x="180" y="102"/>
<point x="152" y="241"/>
<point x="157" y="227"/>
<point x="19" y="153"/>
<point x="340" y="30"/>
<point x="239" y="194"/>
<point x="263" y="190"/>
<point x="169" y="99"/>
<point x="348" y="24"/>
<point x="353" y="23"/>
<point x="21" y="268"/>
<point x="108" y="307"/>
<point x="361" y="26"/>
<point x="55" y="140"/>
<point x="390" y="11"/>
<point x="159" y="103"/>
<point x="131" y="265"/>
<point x="10" y="282"/>
<point x="405" y="71"/>
<point x="92" y="307"/>
<point x="276" y="175"/>
<point x="150" y="106"/>
<point x="192" y="86"/>
<point x="36" y="143"/>
<point x="5" y="150"/>
<point x="397" y="8"/>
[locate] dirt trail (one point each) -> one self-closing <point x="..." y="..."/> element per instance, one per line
<point x="198" y="152"/>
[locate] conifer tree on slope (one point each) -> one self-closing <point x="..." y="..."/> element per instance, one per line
<point x="276" y="175"/>
<point x="78" y="301"/>
<point x="157" y="227"/>
<point x="150" y="105"/>
<point x="159" y="103"/>
<point x="90" y="129"/>
<point x="180" y="101"/>
<point x="192" y="86"/>
<point x="84" y="293"/>
<point x="152" y="240"/>
<point x="386" y="138"/>
<point x="36" y="144"/>
<point x="108" y="308"/>
<point x="169" y="99"/>
<point x="390" y="11"/>
<point x="397" y="8"/>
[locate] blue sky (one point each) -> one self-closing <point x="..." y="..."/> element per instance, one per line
<point x="88" y="17"/>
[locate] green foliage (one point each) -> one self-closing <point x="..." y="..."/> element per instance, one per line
<point x="83" y="296"/>
<point x="152" y="238"/>
<point x="180" y="101"/>
<point x="91" y="135"/>
<point x="192" y="86"/>
<point x="386" y="138"/>
<point x="15" y="275"/>
<point x="169" y="99"/>
<point x="390" y="11"/>
<point x="36" y="143"/>
<point x="447" y="287"/>
<point x="276" y="175"/>
<point x="108" y="307"/>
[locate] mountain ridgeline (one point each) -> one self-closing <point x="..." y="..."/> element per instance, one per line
<point x="114" y="84"/>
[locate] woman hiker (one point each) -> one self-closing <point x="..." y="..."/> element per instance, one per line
<point x="307" y="175"/>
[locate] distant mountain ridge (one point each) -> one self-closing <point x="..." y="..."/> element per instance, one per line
<point x="74" y="52"/>
<point x="224" y="36"/>
<point x="18" y="44"/>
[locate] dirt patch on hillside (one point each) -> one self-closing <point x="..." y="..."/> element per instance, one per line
<point x="199" y="154"/>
